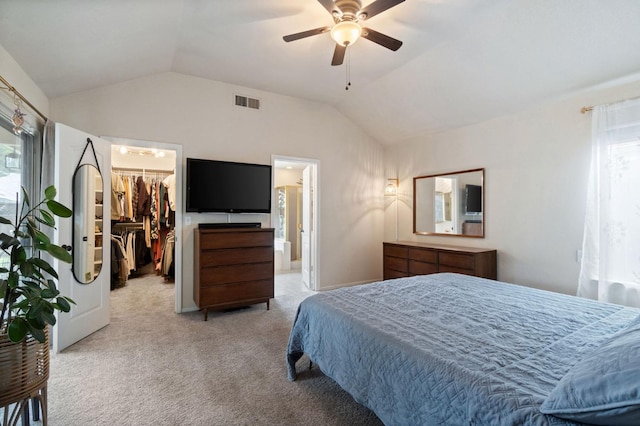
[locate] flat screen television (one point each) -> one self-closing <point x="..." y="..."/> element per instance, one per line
<point x="473" y="199"/>
<point x="228" y="187"/>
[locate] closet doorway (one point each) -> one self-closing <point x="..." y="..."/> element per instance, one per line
<point x="294" y="219"/>
<point x="146" y="216"/>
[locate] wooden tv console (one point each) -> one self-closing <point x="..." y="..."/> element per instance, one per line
<point x="233" y="267"/>
<point x="407" y="258"/>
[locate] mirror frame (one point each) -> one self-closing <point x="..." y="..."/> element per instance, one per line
<point x="84" y="212"/>
<point x="415" y="180"/>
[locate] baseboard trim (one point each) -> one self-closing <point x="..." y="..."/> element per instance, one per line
<point x="334" y="287"/>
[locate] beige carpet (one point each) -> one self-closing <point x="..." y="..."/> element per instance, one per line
<point x="151" y="366"/>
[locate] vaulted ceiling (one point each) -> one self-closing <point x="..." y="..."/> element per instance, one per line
<point x="462" y="61"/>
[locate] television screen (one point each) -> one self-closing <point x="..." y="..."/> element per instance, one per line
<point x="473" y="197"/>
<point x="228" y="187"/>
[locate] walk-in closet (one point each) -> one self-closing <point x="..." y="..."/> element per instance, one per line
<point x="143" y="219"/>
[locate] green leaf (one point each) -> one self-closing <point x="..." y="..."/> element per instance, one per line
<point x="44" y="265"/>
<point x="32" y="229"/>
<point x="36" y="323"/>
<point x="8" y="241"/>
<point x="27" y="269"/>
<point x="5" y="221"/>
<point x="38" y="334"/>
<point x="49" y="294"/>
<point x="50" y="192"/>
<point x="26" y="197"/>
<point x="46" y="218"/>
<point x="58" y="252"/>
<point x="41" y="237"/>
<point x="58" y="209"/>
<point x="13" y="279"/>
<point x="49" y="318"/>
<point x="37" y="306"/>
<point x="17" y="329"/>
<point x="51" y="285"/>
<point x="63" y="304"/>
<point x="23" y="304"/>
<point x="18" y="255"/>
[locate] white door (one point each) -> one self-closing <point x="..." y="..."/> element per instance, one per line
<point x="91" y="311"/>
<point x="307" y="227"/>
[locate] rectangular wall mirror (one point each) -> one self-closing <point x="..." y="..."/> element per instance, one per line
<point x="449" y="204"/>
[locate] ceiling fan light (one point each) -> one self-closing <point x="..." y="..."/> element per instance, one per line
<point x="346" y="33"/>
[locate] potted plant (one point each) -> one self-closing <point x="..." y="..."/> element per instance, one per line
<point x="29" y="297"/>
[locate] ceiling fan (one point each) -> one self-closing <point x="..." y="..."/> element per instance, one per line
<point x="348" y="16"/>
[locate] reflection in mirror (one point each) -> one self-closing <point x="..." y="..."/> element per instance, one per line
<point x="449" y="204"/>
<point x="87" y="223"/>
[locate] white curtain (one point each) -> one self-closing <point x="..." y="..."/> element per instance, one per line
<point x="610" y="268"/>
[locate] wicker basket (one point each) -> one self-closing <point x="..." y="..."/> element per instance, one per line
<point x="24" y="371"/>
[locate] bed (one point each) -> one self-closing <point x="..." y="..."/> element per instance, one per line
<point x="459" y="350"/>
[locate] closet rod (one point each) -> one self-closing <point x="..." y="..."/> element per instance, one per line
<point x="10" y="88"/>
<point x="132" y="169"/>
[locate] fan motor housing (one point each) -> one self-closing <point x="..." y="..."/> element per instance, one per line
<point x="349" y="8"/>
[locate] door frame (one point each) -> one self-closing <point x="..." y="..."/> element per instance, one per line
<point x="178" y="225"/>
<point x="314" y="262"/>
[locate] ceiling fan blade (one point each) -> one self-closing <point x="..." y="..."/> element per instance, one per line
<point x="378" y="6"/>
<point x="338" y="54"/>
<point x="381" y="39"/>
<point x="329" y="5"/>
<point x="309" y="33"/>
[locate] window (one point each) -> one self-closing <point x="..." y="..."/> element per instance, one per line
<point x="610" y="269"/>
<point x="16" y="170"/>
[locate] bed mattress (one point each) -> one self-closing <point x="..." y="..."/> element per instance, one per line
<point x="450" y="348"/>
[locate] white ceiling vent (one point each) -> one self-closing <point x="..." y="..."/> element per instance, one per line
<point x="246" y="102"/>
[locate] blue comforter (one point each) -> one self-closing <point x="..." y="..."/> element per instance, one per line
<point x="448" y="348"/>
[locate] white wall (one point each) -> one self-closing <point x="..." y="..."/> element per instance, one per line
<point x="536" y="168"/>
<point x="15" y="75"/>
<point x="199" y="114"/>
<point x="284" y="177"/>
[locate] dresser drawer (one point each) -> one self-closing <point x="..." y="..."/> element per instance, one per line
<point x="423" y="255"/>
<point x="235" y="256"/>
<point x="461" y="261"/>
<point x="390" y="274"/>
<point x="396" y="263"/>
<point x="422" y="268"/>
<point x="235" y="273"/>
<point x="235" y="293"/>
<point x="395" y="251"/>
<point x="236" y="239"/>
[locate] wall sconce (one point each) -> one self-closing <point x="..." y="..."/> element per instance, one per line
<point x="391" y="190"/>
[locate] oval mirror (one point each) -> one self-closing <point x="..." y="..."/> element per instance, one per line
<point x="449" y="204"/>
<point x="87" y="223"/>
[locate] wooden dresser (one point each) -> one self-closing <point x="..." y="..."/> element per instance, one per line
<point x="233" y="267"/>
<point x="407" y="258"/>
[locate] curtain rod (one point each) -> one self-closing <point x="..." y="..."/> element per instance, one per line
<point x="586" y="109"/>
<point x="10" y="88"/>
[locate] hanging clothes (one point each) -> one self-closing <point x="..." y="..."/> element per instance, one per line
<point x="117" y="192"/>
<point x="145" y="202"/>
<point x="170" y="183"/>
<point x="119" y="264"/>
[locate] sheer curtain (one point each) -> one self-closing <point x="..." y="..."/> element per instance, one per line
<point x="610" y="268"/>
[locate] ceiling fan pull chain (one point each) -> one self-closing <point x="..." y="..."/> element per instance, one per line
<point x="348" y="70"/>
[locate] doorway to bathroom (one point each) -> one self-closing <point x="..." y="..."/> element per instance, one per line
<point x="294" y="218"/>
